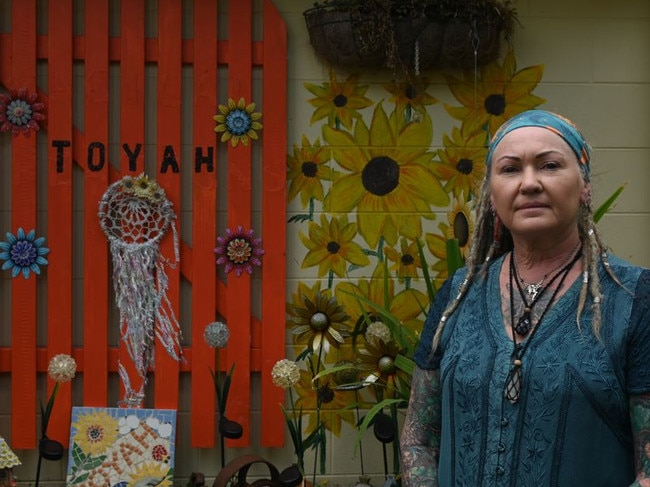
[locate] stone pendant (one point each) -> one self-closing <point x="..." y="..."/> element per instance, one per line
<point x="523" y="326"/>
<point x="513" y="385"/>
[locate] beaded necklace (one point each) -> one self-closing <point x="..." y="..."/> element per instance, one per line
<point x="514" y="379"/>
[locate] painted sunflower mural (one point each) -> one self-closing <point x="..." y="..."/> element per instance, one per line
<point x="384" y="188"/>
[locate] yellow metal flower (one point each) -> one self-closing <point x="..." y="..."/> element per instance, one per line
<point x="500" y="93"/>
<point x="388" y="179"/>
<point x="338" y="102"/>
<point x="150" y="473"/>
<point x="334" y="404"/>
<point x="318" y="320"/>
<point x="462" y="163"/>
<point x="331" y="246"/>
<point x="405" y="261"/>
<point x="378" y="359"/>
<point x="307" y="169"/>
<point x="95" y="431"/>
<point x="238" y="122"/>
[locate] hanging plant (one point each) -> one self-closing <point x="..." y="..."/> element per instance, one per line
<point x="409" y="35"/>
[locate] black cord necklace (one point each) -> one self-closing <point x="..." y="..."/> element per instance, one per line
<point x="524" y="324"/>
<point x="514" y="379"/>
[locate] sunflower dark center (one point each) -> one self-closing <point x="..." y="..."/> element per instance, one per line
<point x="325" y="394"/>
<point x="410" y="92"/>
<point x="495" y="104"/>
<point x="333" y="247"/>
<point x="340" y="100"/>
<point x="309" y="169"/>
<point x="465" y="166"/>
<point x="407" y="259"/>
<point x="319" y="321"/>
<point x="386" y="364"/>
<point x="461" y="229"/>
<point x="380" y="176"/>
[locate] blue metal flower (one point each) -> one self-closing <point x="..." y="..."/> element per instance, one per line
<point x="23" y="253"/>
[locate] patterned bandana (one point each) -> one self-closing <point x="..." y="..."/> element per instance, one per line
<point x="548" y="120"/>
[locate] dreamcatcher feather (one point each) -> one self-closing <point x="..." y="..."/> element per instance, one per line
<point x="135" y="215"/>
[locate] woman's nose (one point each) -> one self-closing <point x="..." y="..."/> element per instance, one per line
<point x="530" y="182"/>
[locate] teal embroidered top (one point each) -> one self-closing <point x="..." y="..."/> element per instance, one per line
<point x="571" y="425"/>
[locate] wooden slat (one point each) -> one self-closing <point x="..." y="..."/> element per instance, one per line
<point x="96" y="278"/>
<point x="132" y="86"/>
<point x="59" y="205"/>
<point x="239" y="214"/>
<point x="273" y="219"/>
<point x="23" y="214"/>
<point x="169" y="135"/>
<point x="204" y="209"/>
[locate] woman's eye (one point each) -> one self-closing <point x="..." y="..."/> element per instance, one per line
<point x="550" y="165"/>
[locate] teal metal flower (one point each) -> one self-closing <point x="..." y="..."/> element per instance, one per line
<point x="23" y="253"/>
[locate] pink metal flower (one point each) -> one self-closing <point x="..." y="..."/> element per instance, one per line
<point x="239" y="250"/>
<point x="19" y="112"/>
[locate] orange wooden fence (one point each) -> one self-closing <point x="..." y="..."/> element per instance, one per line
<point x="257" y="342"/>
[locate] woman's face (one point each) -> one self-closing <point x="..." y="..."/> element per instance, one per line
<point x="536" y="184"/>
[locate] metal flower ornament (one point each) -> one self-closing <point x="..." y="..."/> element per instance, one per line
<point x="20" y="112"/>
<point x="239" y="251"/>
<point x="23" y="253"/>
<point x="238" y="122"/>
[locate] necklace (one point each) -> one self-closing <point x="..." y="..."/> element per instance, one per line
<point x="524" y="324"/>
<point x="532" y="289"/>
<point x="514" y="379"/>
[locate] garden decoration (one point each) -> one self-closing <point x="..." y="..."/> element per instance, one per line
<point x="23" y="253"/>
<point x="239" y="251"/>
<point x="135" y="215"/>
<point x="121" y="446"/>
<point x="216" y="336"/>
<point x="62" y="368"/>
<point x="236" y="472"/>
<point x="8" y="460"/>
<point x="237" y="122"/>
<point x="20" y="112"/>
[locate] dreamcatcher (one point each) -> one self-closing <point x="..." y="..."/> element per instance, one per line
<point x="135" y="214"/>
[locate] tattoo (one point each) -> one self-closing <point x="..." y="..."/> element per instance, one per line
<point x="420" y="440"/>
<point x="640" y="417"/>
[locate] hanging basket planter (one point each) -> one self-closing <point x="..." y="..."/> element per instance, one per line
<point x="407" y="36"/>
<point x="343" y="36"/>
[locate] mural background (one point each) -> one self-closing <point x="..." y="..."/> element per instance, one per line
<point x="585" y="59"/>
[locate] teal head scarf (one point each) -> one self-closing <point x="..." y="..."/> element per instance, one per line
<point x="550" y="121"/>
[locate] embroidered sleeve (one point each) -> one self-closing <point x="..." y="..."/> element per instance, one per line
<point x="638" y="365"/>
<point x="420" y="440"/>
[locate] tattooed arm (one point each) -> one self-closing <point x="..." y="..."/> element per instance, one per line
<point x="420" y="440"/>
<point x="640" y="416"/>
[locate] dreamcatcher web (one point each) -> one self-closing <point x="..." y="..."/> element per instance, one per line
<point x="135" y="215"/>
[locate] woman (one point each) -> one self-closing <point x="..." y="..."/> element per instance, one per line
<point x="534" y="364"/>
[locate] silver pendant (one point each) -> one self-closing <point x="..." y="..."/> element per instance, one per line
<point x="533" y="289"/>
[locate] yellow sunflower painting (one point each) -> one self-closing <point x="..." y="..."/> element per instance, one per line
<point x="339" y="102"/>
<point x="462" y="163"/>
<point x="407" y="306"/>
<point x="96" y="430"/>
<point x="334" y="404"/>
<point x="331" y="246"/>
<point x="405" y="261"/>
<point x="500" y="93"/>
<point x="409" y="96"/>
<point x="388" y="178"/>
<point x="307" y="170"/>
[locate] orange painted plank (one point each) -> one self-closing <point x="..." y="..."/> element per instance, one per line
<point x="59" y="205"/>
<point x="204" y="210"/>
<point x="239" y="214"/>
<point x="274" y="94"/>
<point x="169" y="157"/>
<point x="132" y="86"/>
<point x="96" y="163"/>
<point x="132" y="112"/>
<point x="23" y="207"/>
